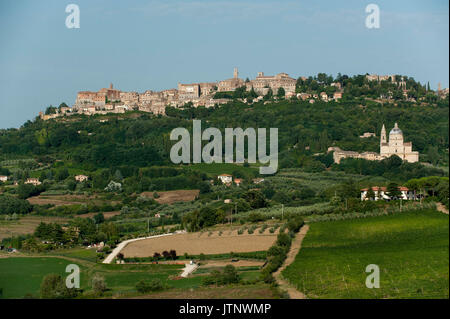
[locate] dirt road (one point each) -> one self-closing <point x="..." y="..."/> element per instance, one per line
<point x="295" y="248"/>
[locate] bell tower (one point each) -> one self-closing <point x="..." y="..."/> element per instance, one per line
<point x="383" y="139"/>
<point x="235" y="73"/>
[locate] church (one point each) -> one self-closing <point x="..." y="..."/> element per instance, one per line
<point x="394" y="146"/>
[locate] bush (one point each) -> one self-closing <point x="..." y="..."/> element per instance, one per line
<point x="53" y="286"/>
<point x="263" y="228"/>
<point x="147" y="286"/>
<point x="228" y="276"/>
<point x="99" y="284"/>
<point x="295" y="223"/>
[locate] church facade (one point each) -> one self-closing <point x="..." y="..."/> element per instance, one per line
<point x="394" y="146"/>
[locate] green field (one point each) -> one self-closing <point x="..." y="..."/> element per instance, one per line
<point x="410" y="248"/>
<point x="22" y="276"/>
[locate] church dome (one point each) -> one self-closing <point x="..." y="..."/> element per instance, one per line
<point x="396" y="130"/>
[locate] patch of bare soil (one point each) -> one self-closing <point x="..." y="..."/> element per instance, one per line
<point x="170" y="197"/>
<point x="194" y="244"/>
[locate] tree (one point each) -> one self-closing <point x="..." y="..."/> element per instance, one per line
<point x="269" y="95"/>
<point x="147" y="286"/>
<point x="50" y="110"/>
<point x="433" y="155"/>
<point x="99" y="218"/>
<point x="393" y="191"/>
<point x="71" y="185"/>
<point x="53" y="286"/>
<point x="255" y="199"/>
<point x="230" y="275"/>
<point x="370" y="195"/>
<point x="281" y="92"/>
<point x="62" y="174"/>
<point x="173" y="254"/>
<point x="98" y="284"/>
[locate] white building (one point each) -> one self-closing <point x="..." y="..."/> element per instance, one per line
<point x="33" y="181"/>
<point x="225" y="178"/>
<point x="381" y="193"/>
<point x="81" y="178"/>
<point x="3" y="178"/>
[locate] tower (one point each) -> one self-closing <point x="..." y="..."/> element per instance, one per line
<point x="110" y="86"/>
<point x="235" y="73"/>
<point x="383" y="140"/>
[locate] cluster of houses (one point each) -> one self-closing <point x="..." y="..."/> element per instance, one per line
<point x="228" y="180"/>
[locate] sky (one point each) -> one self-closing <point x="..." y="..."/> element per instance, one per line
<point x="152" y="45"/>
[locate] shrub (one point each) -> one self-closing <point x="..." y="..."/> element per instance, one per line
<point x="295" y="223"/>
<point x="229" y="275"/>
<point x="53" y="286"/>
<point x="98" y="284"/>
<point x="147" y="286"/>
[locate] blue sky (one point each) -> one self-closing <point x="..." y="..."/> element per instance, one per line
<point x="139" y="45"/>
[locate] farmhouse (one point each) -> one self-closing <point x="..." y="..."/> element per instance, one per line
<point x="81" y="178"/>
<point x="238" y="181"/>
<point x="225" y="178"/>
<point x="3" y="178"/>
<point x="258" y="180"/>
<point x="381" y="193"/>
<point x="33" y="181"/>
<point x="367" y="135"/>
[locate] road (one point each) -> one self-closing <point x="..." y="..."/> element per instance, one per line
<point x="295" y="248"/>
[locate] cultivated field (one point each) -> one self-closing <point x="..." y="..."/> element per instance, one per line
<point x="59" y="200"/>
<point x="170" y="197"/>
<point x="22" y="276"/>
<point x="411" y="249"/>
<point x="201" y="243"/>
<point x="107" y="215"/>
<point x="25" y="225"/>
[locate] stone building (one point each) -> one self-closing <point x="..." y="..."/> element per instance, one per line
<point x="188" y="91"/>
<point x="274" y="82"/>
<point x="231" y="84"/>
<point x="395" y="146"/>
<point x="129" y="97"/>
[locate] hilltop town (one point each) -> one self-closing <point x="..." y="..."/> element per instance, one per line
<point x="208" y="94"/>
<point x="111" y="100"/>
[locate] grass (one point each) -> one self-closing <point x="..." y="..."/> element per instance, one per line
<point x="20" y="276"/>
<point x="23" y="275"/>
<point x="411" y="249"/>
